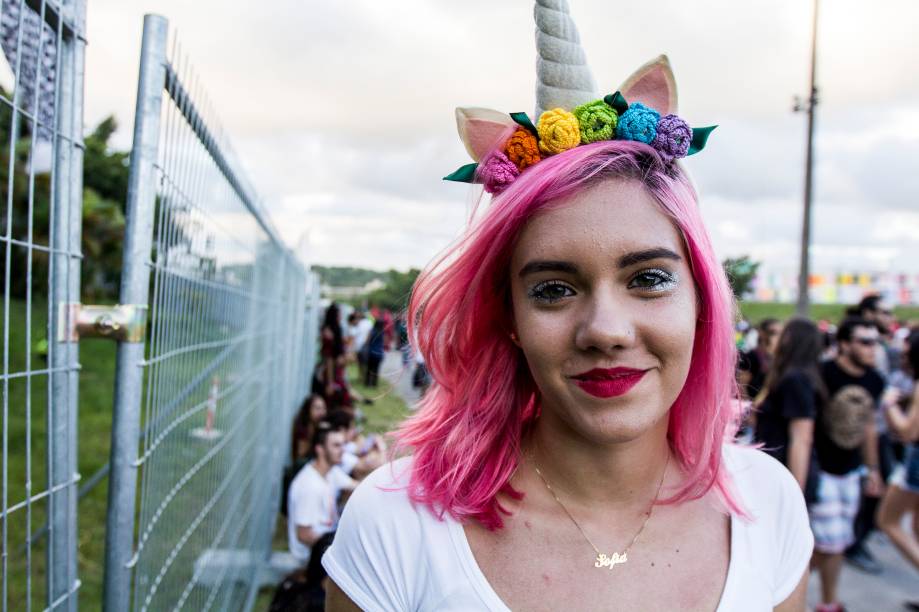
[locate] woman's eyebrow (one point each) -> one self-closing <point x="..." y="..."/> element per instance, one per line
<point x="636" y="257"/>
<point x="548" y="266"/>
<point x="629" y="259"/>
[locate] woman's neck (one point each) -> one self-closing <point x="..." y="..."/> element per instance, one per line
<point x="588" y="473"/>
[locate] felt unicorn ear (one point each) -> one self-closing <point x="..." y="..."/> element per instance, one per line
<point x="653" y="85"/>
<point x="481" y="129"/>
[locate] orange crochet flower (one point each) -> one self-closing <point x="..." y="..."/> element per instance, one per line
<point x="522" y="149"/>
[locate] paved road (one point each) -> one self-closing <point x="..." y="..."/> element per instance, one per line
<point x="391" y="369"/>
<point x="883" y="593"/>
<point x="859" y="591"/>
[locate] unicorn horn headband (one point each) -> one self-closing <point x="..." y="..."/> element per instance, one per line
<point x="569" y="112"/>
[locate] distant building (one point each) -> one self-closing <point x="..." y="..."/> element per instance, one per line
<point x="838" y="288"/>
<point x="349" y="293"/>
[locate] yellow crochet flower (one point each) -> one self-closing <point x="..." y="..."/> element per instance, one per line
<point x="558" y="131"/>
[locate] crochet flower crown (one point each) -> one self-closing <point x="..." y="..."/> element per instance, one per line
<point x="642" y="110"/>
<point x="559" y="130"/>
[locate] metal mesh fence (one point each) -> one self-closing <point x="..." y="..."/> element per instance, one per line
<point x="227" y="360"/>
<point x="41" y="112"/>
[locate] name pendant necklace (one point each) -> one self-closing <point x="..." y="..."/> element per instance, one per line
<point x="603" y="560"/>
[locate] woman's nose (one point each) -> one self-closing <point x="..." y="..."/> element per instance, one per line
<point x="607" y="324"/>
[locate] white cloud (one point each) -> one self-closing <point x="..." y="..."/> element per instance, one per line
<point x="342" y="111"/>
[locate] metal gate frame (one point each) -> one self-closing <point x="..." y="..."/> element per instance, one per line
<point x="65" y="21"/>
<point x="278" y="282"/>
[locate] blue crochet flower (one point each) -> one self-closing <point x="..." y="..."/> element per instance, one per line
<point x="638" y="123"/>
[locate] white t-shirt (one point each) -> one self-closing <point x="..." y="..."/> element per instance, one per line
<point x="390" y="555"/>
<point x="350" y="335"/>
<point x="348" y="461"/>
<point x="312" y="501"/>
<point x="361" y="332"/>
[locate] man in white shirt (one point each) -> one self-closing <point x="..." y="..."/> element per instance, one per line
<point x="312" y="500"/>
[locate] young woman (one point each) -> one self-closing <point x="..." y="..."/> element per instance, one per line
<point x="571" y="452"/>
<point x="792" y="392"/>
<point x="311" y="412"/>
<point x="902" y="496"/>
<point x="331" y="368"/>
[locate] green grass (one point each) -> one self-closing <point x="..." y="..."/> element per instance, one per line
<point x="387" y="410"/>
<point x="27" y="563"/>
<point x="756" y="311"/>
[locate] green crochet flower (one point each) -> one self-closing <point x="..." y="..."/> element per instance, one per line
<point x="597" y="121"/>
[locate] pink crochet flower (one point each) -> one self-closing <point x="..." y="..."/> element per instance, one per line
<point x="497" y="172"/>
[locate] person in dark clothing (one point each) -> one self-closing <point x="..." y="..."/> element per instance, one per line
<point x="304" y="589"/>
<point x="331" y="368"/>
<point x="376" y="348"/>
<point x="793" y="392"/>
<point x="753" y="366"/>
<point x="845" y="437"/>
<point x="312" y="410"/>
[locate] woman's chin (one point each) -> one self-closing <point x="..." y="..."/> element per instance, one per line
<point x="616" y="423"/>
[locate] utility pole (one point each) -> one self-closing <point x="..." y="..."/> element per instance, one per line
<point x="809" y="106"/>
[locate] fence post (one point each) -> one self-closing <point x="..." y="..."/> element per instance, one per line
<point x="64" y="285"/>
<point x="135" y="279"/>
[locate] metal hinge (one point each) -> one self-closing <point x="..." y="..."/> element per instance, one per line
<point x="122" y="322"/>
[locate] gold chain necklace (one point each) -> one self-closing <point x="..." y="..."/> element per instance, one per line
<point x="603" y="560"/>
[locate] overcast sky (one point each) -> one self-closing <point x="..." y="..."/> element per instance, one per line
<point x="342" y="112"/>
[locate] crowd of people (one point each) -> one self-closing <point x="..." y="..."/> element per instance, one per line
<point x="329" y="453"/>
<point x="838" y="405"/>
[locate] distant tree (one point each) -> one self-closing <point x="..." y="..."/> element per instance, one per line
<point x="28" y="213"/>
<point x="105" y="193"/>
<point x="740" y="272"/>
<point x="105" y="185"/>
<point x="346" y="276"/>
<point x="394" y="296"/>
<point x="106" y="171"/>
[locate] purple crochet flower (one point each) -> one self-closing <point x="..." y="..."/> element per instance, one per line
<point x="673" y="138"/>
<point x="497" y="172"/>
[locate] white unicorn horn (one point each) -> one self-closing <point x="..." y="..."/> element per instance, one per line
<point x="563" y="78"/>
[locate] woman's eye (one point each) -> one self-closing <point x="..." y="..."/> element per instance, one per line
<point x="653" y="280"/>
<point x="550" y="292"/>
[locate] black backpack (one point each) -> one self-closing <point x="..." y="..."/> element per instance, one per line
<point x="295" y="594"/>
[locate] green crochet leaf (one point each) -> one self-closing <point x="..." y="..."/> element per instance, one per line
<point x="699" y="138"/>
<point x="466" y="174"/>
<point x="523" y="120"/>
<point x="617" y="101"/>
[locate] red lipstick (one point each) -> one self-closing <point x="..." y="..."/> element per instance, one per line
<point x="608" y="382"/>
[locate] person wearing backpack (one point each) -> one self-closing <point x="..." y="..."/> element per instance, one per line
<point x="846" y="442"/>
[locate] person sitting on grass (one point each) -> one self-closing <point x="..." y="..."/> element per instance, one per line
<point x="312" y="506"/>
<point x="362" y="454"/>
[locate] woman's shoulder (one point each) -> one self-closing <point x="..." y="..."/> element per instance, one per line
<point x="382" y="503"/>
<point x="386" y="488"/>
<point x="765" y="486"/>
<point x="766" y="490"/>
<point x="775" y="543"/>
<point x="381" y="554"/>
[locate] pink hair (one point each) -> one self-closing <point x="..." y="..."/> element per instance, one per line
<point x="466" y="435"/>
